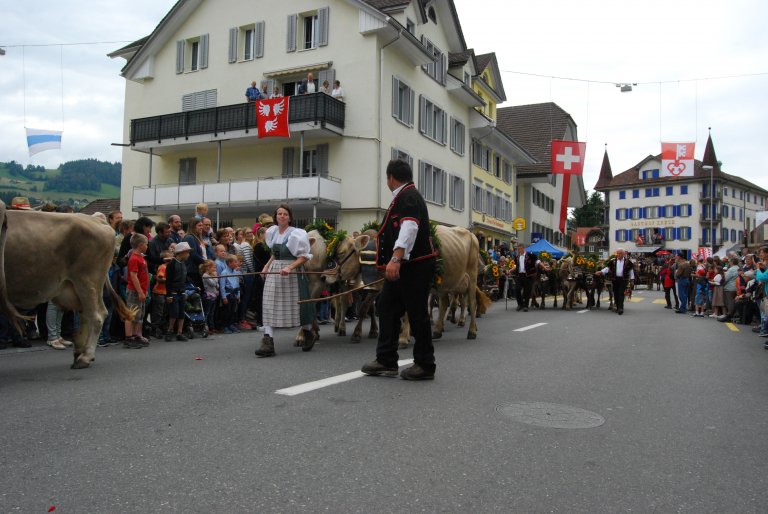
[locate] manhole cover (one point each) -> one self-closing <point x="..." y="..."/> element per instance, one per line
<point x="551" y="415"/>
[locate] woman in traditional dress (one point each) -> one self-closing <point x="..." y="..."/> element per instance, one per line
<point x="285" y="284"/>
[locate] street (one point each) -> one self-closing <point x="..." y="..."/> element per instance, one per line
<point x="674" y="411"/>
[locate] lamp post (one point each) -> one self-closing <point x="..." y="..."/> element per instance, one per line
<point x="711" y="170"/>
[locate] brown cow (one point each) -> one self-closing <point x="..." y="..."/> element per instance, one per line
<point x="347" y="275"/>
<point x="63" y="258"/>
<point x="6" y="307"/>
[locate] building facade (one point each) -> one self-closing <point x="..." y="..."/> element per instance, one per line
<point x="192" y="137"/>
<point x="647" y="213"/>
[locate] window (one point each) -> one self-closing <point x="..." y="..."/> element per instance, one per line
<point x="724" y="235"/>
<point x="621" y="214"/>
<point x="457" y="193"/>
<point x="622" y="195"/>
<point x="507" y="174"/>
<point x="669" y="190"/>
<point x="684" y="233"/>
<point x="725" y="191"/>
<point x="683" y="190"/>
<point x="433" y="121"/>
<point x="246" y="43"/>
<point x="403" y="101"/>
<point x="635" y="213"/>
<point x="669" y="211"/>
<point x="458" y="136"/>
<point x="669" y="234"/>
<point x="648" y="192"/>
<point x="311" y="27"/>
<point x="656" y="191"/>
<point x="497" y="166"/>
<point x="620" y="236"/>
<point x="725" y="211"/>
<point x="403" y="156"/>
<point x="635" y="193"/>
<point x="480" y="156"/>
<point x="489" y="203"/>
<point x="198" y="100"/>
<point x="438" y="68"/>
<point x="192" y="54"/>
<point x="685" y="210"/>
<point x="741" y="214"/>
<point x="477" y="197"/>
<point x="410" y="26"/>
<point x="432" y="182"/>
<point x="652" y="212"/>
<point x="187" y="171"/>
<point x="508" y="207"/>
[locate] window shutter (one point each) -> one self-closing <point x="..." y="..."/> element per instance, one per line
<point x="180" y="56"/>
<point x="445" y="127"/>
<point x="617" y="214"/>
<point x="411" y="108"/>
<point x="291" y="33"/>
<point x="618" y="237"/>
<point x="186" y="103"/>
<point x="662" y="212"/>
<point x="395" y="97"/>
<point x="203" y="51"/>
<point x="690" y="210"/>
<point x="322" y="26"/>
<point x="322" y="160"/>
<point x="422" y="114"/>
<point x="259" y="38"/>
<point x="444" y="74"/>
<point x="288" y="158"/>
<point x="232" y="45"/>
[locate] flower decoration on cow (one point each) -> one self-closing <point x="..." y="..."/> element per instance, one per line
<point x="437" y="279"/>
<point x="580" y="261"/>
<point x="323" y="227"/>
<point x="545" y="256"/>
<point x="491" y="272"/>
<point x="371" y="225"/>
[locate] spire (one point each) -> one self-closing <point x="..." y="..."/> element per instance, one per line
<point x="710" y="159"/>
<point x="606" y="175"/>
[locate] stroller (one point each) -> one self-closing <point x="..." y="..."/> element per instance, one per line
<point x="194" y="315"/>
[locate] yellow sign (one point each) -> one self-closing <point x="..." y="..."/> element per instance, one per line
<point x="518" y="224"/>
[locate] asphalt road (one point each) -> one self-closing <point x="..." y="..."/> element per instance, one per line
<point x="679" y="403"/>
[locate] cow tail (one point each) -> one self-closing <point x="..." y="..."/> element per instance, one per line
<point x="122" y="310"/>
<point x="483" y="301"/>
<point x="6" y="307"/>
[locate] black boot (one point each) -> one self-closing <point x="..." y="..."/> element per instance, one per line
<point x="309" y="340"/>
<point x="267" y="348"/>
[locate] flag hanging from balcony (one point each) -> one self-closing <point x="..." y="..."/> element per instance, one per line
<point x="676" y="160"/>
<point x="41" y="140"/>
<point x="272" y="117"/>
<point x="567" y="160"/>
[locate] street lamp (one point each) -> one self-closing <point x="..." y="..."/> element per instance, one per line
<point x="711" y="170"/>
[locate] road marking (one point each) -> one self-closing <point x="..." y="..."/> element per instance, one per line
<point x="733" y="327"/>
<point x="660" y="302"/>
<point x="635" y="300"/>
<point x="582" y="312"/>
<point x="319" y="384"/>
<point x="529" y="327"/>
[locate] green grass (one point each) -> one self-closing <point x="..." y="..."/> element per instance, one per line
<point x="24" y="186"/>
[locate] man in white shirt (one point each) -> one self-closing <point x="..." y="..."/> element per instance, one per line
<point x="622" y="274"/>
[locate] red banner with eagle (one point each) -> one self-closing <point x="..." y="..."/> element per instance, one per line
<point x="567" y="160"/>
<point x="272" y="117"/>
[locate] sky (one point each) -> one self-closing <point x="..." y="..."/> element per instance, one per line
<point x="570" y="53"/>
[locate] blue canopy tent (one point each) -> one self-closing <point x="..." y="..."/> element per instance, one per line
<point x="542" y="245"/>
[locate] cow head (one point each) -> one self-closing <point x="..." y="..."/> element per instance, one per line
<point x="346" y="259"/>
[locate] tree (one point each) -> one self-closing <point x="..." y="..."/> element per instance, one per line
<point x="591" y="214"/>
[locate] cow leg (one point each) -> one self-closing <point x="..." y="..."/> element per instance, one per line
<point x="442" y="303"/>
<point x="405" y="333"/>
<point x="365" y="307"/>
<point x="462" y="308"/>
<point x="91" y="319"/>
<point x="472" y="308"/>
<point x="452" y="310"/>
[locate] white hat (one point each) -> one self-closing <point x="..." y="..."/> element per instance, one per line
<point x="181" y="248"/>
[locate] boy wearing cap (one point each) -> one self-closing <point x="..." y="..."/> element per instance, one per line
<point x="138" y="287"/>
<point x="175" y="284"/>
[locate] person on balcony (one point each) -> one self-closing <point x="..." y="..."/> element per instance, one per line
<point x="308" y="86"/>
<point x="337" y="92"/>
<point x="325" y="88"/>
<point x="276" y="93"/>
<point x="252" y="93"/>
<point x="640" y="240"/>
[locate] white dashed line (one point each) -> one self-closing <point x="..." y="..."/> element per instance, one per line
<point x="319" y="384"/>
<point x="582" y="312"/>
<point x="529" y="327"/>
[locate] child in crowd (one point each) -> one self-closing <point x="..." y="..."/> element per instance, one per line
<point x="211" y="294"/>
<point x="158" y="296"/>
<point x="229" y="288"/>
<point x="175" y="284"/>
<point x="702" y="293"/>
<point x="138" y="288"/>
<point x="718" y="296"/>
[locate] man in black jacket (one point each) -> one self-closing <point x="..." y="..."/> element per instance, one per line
<point x="407" y="257"/>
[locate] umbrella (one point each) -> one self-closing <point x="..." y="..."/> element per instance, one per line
<point x="663" y="252"/>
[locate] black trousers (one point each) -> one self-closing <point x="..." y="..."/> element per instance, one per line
<point x="619" y="286"/>
<point x="524" y="285"/>
<point x="409" y="294"/>
<point x="667" y="290"/>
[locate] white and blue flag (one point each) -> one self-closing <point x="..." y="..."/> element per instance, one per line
<point x="41" y="140"/>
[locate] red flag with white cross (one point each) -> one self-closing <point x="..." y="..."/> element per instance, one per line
<point x="272" y="117"/>
<point x="567" y="160"/>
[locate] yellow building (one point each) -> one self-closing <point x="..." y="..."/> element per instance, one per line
<point x="494" y="158"/>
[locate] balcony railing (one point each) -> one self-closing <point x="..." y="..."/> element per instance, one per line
<point x="706" y="196"/>
<point x="705" y="242"/>
<point x="317" y="108"/>
<point x="326" y="190"/>
<point x="705" y="218"/>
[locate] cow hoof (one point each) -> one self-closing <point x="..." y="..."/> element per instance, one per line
<point x="471" y="335"/>
<point x="80" y="364"/>
<point x="402" y="346"/>
<point x="461" y="324"/>
<point x="437" y="335"/>
<point x="355" y="339"/>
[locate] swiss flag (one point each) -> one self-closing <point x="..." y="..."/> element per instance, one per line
<point x="272" y="117"/>
<point x="568" y="157"/>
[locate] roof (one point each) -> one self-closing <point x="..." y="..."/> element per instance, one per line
<point x="388" y="5"/>
<point x="535" y="126"/>
<point x="606" y="175"/>
<point x="484" y="61"/>
<point x="460" y="58"/>
<point x="104" y="206"/>
<point x="631" y="177"/>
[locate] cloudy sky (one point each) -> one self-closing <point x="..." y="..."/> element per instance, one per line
<point x="675" y="51"/>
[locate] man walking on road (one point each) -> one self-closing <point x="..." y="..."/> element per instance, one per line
<point x="527" y="265"/>
<point x="405" y="252"/>
<point x="622" y="274"/>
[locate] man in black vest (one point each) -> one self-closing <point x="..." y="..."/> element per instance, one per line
<point x="405" y="253"/>
<point x="622" y="274"/>
<point x="527" y="264"/>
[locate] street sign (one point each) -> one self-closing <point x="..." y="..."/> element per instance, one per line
<point x="518" y="224"/>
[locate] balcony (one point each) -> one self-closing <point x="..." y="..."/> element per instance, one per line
<point x="705" y="243"/>
<point x="704" y="197"/>
<point x="244" y="195"/>
<point x="705" y="218"/>
<point x="316" y="111"/>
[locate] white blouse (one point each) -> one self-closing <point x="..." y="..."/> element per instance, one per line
<point x="295" y="239"/>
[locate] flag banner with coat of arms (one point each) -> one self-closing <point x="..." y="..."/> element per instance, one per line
<point x="272" y="117"/>
<point x="567" y="160"/>
<point x="677" y="159"/>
